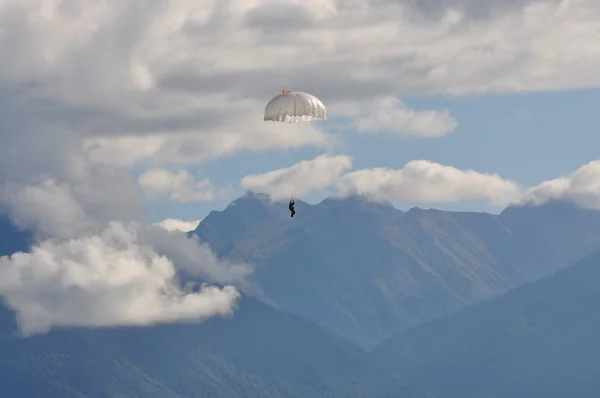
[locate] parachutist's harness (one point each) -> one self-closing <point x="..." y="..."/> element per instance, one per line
<point x="291" y="207"/>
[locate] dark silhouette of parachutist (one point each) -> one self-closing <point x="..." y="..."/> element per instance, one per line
<point x="291" y="207"/>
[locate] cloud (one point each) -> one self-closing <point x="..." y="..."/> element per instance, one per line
<point x="90" y="259"/>
<point x="581" y="187"/>
<point x="102" y="280"/>
<point x="244" y="132"/>
<point x="66" y="195"/>
<point x="193" y="257"/>
<point x="392" y="116"/>
<point x="175" y="224"/>
<point x="180" y="186"/>
<point x="184" y="81"/>
<point x="424" y="181"/>
<point x="300" y="179"/>
<point x="48" y="207"/>
<point x="90" y="267"/>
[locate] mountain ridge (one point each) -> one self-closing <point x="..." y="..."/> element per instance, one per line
<point x="403" y="267"/>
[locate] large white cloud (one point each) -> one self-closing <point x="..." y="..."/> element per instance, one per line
<point x="419" y="181"/>
<point x="581" y="187"/>
<point x="301" y="178"/>
<point x="424" y="181"/>
<point x="102" y="280"/>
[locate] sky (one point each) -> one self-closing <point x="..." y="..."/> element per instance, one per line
<point x="525" y="137"/>
<point x="125" y="122"/>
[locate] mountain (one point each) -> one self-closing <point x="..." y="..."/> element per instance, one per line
<point x="366" y="270"/>
<point x="538" y="340"/>
<point x="260" y="351"/>
<point x="548" y="237"/>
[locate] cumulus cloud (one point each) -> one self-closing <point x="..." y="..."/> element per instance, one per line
<point x="424" y="181"/>
<point x="180" y="186"/>
<point x="102" y="280"/>
<point x="390" y="115"/>
<point x="175" y="224"/>
<point x="301" y="178"/>
<point x="581" y="187"/>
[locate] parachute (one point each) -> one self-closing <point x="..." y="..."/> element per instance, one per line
<point x="295" y="107"/>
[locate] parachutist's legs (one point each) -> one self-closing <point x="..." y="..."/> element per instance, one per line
<point x="293" y="212"/>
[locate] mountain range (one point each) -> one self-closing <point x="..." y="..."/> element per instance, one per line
<point x="366" y="270"/>
<point x="341" y="277"/>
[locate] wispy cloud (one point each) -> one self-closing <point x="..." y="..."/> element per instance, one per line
<point x="175" y="224"/>
<point x="301" y="178"/>
<point x="180" y="186"/>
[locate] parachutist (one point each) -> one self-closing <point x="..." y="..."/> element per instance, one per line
<point x="291" y="207"/>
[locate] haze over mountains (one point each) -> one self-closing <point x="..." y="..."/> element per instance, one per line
<point x="536" y="340"/>
<point x="366" y="270"/>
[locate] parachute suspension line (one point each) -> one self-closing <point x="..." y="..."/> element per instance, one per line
<point x="294" y="193"/>
<point x="295" y="113"/>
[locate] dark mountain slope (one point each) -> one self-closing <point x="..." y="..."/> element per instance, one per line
<point x="258" y="352"/>
<point x="539" y="340"/>
<point x="546" y="238"/>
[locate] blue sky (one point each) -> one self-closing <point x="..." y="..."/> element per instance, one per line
<point x="529" y="138"/>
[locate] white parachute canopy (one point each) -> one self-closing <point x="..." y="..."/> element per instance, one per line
<point x="295" y="107"/>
